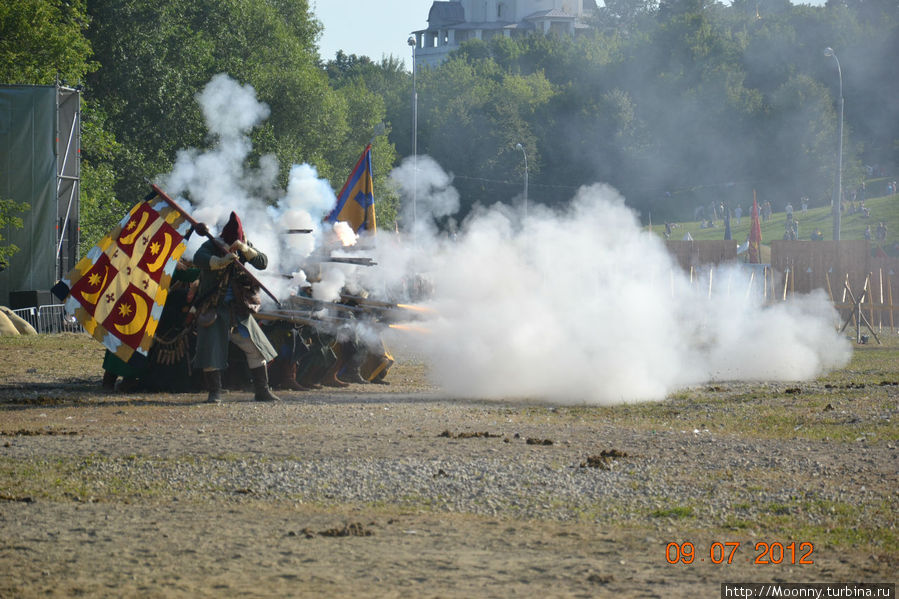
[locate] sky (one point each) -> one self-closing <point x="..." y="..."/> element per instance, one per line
<point x="373" y="29"/>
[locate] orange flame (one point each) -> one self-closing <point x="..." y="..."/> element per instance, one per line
<point x="415" y="308"/>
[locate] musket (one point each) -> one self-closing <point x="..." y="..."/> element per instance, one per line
<point x="383" y="307"/>
<point x="357" y="299"/>
<point x="347" y="260"/>
<point x="202" y="229"/>
<point x="383" y="315"/>
<point x="297" y="231"/>
<point x="328" y="324"/>
<point x="322" y="305"/>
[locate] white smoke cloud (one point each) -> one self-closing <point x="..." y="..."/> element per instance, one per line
<point x="578" y="305"/>
<point x="231" y="110"/>
<point x="582" y="306"/>
<point x="212" y="183"/>
<point x="427" y="192"/>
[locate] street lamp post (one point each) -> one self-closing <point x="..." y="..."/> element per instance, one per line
<point x="838" y="202"/>
<point x="412" y="41"/>
<point x="521" y="147"/>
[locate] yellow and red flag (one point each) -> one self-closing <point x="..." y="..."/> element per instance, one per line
<point x="755" y="234"/>
<point x="117" y="291"/>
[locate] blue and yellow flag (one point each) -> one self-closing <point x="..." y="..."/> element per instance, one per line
<point x="356" y="201"/>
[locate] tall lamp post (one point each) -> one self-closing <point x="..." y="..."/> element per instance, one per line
<point x="412" y="41"/>
<point x="838" y="201"/>
<point x="521" y="147"/>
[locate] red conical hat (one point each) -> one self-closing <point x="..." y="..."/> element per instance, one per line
<point x="233" y="230"/>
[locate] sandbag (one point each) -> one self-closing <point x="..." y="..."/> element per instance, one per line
<point x="23" y="326"/>
<point x="7" y="327"/>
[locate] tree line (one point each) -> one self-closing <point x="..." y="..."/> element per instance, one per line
<point x="676" y="104"/>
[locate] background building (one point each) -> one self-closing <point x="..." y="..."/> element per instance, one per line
<point x="453" y="22"/>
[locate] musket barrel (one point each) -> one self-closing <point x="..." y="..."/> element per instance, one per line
<point x="367" y="302"/>
<point x="356" y="261"/>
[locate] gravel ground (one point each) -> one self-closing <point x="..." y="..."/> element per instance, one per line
<point x="401" y="491"/>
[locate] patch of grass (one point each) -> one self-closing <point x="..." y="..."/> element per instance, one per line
<point x="677" y="512"/>
<point x="75" y="479"/>
<point x="823" y="523"/>
<point x="845" y="405"/>
<point x="851" y="226"/>
<point x="845" y="525"/>
<point x="737" y="524"/>
<point x="59" y="357"/>
<point x="779" y="509"/>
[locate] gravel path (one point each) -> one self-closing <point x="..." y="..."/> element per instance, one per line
<point x="398" y="491"/>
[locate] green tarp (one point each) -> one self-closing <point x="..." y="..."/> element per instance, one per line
<point x="28" y="168"/>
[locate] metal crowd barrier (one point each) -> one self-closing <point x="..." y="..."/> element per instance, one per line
<point x="49" y="319"/>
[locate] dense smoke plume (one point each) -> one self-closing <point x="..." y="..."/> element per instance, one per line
<point x="573" y="306"/>
<point x="583" y="306"/>
<point x="214" y="182"/>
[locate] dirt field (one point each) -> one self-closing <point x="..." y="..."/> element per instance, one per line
<point x="398" y="491"/>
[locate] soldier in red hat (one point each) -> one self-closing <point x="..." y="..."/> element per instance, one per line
<point x="226" y="299"/>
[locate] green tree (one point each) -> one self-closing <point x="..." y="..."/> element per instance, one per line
<point x="367" y="87"/>
<point x="472" y="116"/>
<point x="100" y="209"/>
<point x="624" y="16"/>
<point x="157" y="55"/>
<point x="42" y="41"/>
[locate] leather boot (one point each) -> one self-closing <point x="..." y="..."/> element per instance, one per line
<point x="351" y="374"/>
<point x="109" y="381"/>
<point x="260" y="384"/>
<point x="213" y="380"/>
<point x="330" y="377"/>
<point x="289" y="380"/>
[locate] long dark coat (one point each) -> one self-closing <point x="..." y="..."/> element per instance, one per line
<point x="212" y="341"/>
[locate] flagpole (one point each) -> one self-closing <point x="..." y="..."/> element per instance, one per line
<point x="204" y="230"/>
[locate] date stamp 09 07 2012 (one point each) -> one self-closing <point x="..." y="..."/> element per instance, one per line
<point x="729" y="551"/>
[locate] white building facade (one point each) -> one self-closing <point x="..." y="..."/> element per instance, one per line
<point x="452" y="22"/>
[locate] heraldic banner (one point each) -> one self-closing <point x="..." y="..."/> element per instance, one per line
<point x="356" y="200"/>
<point x="117" y="291"/>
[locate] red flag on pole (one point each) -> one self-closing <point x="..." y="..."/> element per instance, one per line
<point x="117" y="291"/>
<point x="755" y="233"/>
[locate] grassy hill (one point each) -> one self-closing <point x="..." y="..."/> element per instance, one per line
<point x="884" y="208"/>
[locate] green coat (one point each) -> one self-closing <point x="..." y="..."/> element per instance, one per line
<point x="212" y="341"/>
